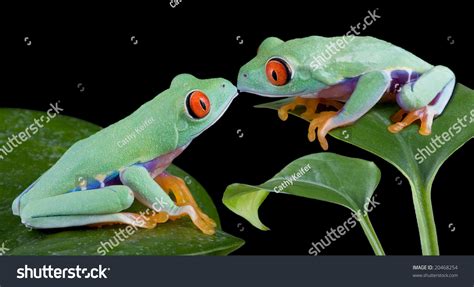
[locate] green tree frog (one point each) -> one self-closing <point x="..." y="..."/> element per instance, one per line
<point x="127" y="161"/>
<point x="351" y="74"/>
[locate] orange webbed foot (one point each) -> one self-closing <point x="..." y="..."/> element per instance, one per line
<point x="183" y="197"/>
<point x="321" y="122"/>
<point x="311" y="106"/>
<point x="425" y="115"/>
<point x="283" y="110"/>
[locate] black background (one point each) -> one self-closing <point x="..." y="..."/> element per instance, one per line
<point x="91" y="47"/>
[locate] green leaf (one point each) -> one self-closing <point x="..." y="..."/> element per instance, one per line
<point x="28" y="161"/>
<point x="403" y="150"/>
<point x="316" y="176"/>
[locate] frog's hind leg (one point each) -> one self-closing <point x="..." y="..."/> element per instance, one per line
<point x="183" y="196"/>
<point x="89" y="207"/>
<point x="424" y="99"/>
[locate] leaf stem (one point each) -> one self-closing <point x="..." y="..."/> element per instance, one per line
<point x="425" y="219"/>
<point x="371" y="235"/>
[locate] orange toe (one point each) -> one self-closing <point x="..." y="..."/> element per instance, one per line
<point x="204" y="226"/>
<point x="398" y="116"/>
<point x="320" y="123"/>
<point x="425" y="115"/>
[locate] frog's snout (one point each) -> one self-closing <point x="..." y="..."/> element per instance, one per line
<point x="230" y="88"/>
<point x="242" y="78"/>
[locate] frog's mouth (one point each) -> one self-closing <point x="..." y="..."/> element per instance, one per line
<point x="221" y="113"/>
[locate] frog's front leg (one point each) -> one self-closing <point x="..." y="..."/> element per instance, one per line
<point x="88" y="207"/>
<point x="369" y="90"/>
<point x="311" y="105"/>
<point x="424" y="99"/>
<point x="148" y="192"/>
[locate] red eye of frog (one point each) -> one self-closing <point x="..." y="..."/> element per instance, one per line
<point x="278" y="72"/>
<point x="198" y="104"/>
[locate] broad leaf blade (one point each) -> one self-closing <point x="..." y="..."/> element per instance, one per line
<point x="322" y="181"/>
<point x="29" y="160"/>
<point x="370" y="133"/>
